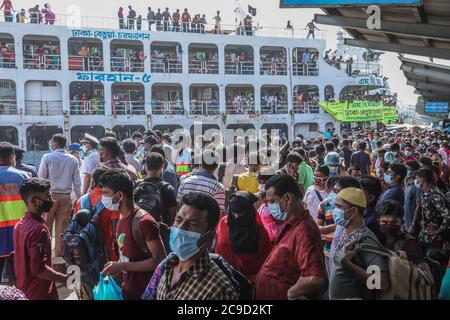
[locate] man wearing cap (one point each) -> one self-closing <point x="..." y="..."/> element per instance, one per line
<point x="348" y="279"/>
<point x="19" y="162"/>
<point x="91" y="160"/>
<point x="74" y="149"/>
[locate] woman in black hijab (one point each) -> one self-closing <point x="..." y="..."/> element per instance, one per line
<point x="241" y="237"/>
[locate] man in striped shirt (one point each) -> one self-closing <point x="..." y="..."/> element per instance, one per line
<point x="204" y="181"/>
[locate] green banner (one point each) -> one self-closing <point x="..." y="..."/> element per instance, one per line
<point x="360" y="111"/>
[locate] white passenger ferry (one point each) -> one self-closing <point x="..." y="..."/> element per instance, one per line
<point x="77" y="80"/>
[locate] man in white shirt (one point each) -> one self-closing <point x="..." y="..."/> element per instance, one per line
<point x="315" y="194"/>
<point x="90" y="162"/>
<point x="63" y="172"/>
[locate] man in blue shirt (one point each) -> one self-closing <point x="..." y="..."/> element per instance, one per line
<point x="394" y="178"/>
<point x="19" y="162"/>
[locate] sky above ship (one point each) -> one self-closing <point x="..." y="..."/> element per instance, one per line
<point x="268" y="15"/>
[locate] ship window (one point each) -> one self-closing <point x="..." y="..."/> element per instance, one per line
<point x="77" y="132"/>
<point x="167" y="128"/>
<point x="39" y="136"/>
<point x="9" y="134"/>
<point x="124" y="132"/>
<point x="49" y="83"/>
<point x="313" y="127"/>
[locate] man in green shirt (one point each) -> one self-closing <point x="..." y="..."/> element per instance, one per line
<point x="305" y="174"/>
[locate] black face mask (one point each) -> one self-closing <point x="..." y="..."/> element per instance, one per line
<point x="46" y="205"/>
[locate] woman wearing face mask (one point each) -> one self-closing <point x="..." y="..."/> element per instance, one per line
<point x="242" y="239"/>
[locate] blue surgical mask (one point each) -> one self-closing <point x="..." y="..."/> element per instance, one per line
<point x="408" y="153"/>
<point x="184" y="243"/>
<point x="387" y="178"/>
<point x="332" y="197"/>
<point x="275" y="211"/>
<point x="338" y="217"/>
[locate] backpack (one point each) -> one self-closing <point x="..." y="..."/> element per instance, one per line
<point x="148" y="197"/>
<point x="138" y="237"/>
<point x="407" y="282"/>
<point x="84" y="243"/>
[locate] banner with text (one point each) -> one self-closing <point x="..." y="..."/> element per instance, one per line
<point x="360" y="111"/>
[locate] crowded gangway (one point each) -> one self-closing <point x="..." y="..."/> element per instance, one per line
<point x="259" y="216"/>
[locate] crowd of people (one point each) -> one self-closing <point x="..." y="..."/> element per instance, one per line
<point x="7" y="56"/>
<point x="38" y="56"/>
<point x="387" y="100"/>
<point x="306" y="225"/>
<point x="85" y="58"/>
<point x="167" y="61"/>
<point x="129" y="60"/>
<point x="35" y="14"/>
<point x="273" y="64"/>
<point x="166" y="21"/>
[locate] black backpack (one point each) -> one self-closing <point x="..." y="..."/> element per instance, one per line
<point x="148" y="197"/>
<point x="84" y="244"/>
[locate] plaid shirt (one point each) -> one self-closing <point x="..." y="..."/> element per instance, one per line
<point x="116" y="164"/>
<point x="202" y="281"/>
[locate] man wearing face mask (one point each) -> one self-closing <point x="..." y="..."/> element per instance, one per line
<point x="318" y="192"/>
<point x="189" y="273"/>
<point x="91" y="160"/>
<point x="391" y="222"/>
<point x="394" y="178"/>
<point x="140" y="247"/>
<point x="11" y="207"/>
<point x="295" y="267"/>
<point x="348" y="278"/>
<point x="409" y="154"/>
<point x="109" y="151"/>
<point x="32" y="244"/>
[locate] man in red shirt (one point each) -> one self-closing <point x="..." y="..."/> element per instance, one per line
<point x="185" y="19"/>
<point x="137" y="261"/>
<point x="7" y="10"/>
<point x="33" y="252"/>
<point x="295" y="266"/>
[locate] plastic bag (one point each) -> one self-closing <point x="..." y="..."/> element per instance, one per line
<point x="107" y="289"/>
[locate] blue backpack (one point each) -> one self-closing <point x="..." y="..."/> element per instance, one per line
<point x="84" y="244"/>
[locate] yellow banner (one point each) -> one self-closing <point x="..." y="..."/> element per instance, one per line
<point x="359" y="111"/>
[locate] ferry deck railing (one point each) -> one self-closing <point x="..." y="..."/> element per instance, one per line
<point x="43" y="108"/>
<point x="120" y="64"/>
<point x="204" y="67"/>
<point x="306" y="107"/>
<point x="42" y="62"/>
<point x="79" y="63"/>
<point x="159" y="65"/>
<point x="160" y="107"/>
<point x="8" y="62"/>
<point x="204" y="108"/>
<point x="273" y="69"/>
<point x="272" y="107"/>
<point x="8" y="106"/>
<point x="115" y="23"/>
<point x="305" y="69"/>
<point x="90" y="107"/>
<point x="240" y="107"/>
<point x="129" y="108"/>
<point x="241" y="68"/>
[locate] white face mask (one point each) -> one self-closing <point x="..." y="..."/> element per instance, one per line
<point x="108" y="203"/>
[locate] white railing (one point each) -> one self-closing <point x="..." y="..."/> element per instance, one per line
<point x="204" y="67"/>
<point x="205" y="108"/>
<point x="43" y="108"/>
<point x="8" y="62"/>
<point x="90" y="107"/>
<point x="305" y="69"/>
<point x="120" y="64"/>
<point x="121" y="24"/>
<point x="243" y="68"/>
<point x="79" y="63"/>
<point x="42" y="62"/>
<point x="273" y="69"/>
<point x="364" y="69"/>
<point x="167" y="107"/>
<point x="8" y="106"/>
<point x="129" y="108"/>
<point x="240" y="107"/>
<point x="279" y="107"/>
<point x="166" y="65"/>
<point x="306" y="107"/>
